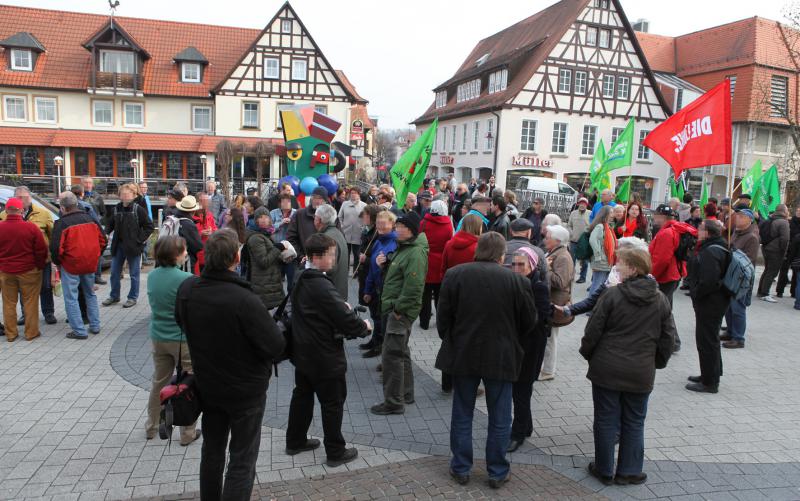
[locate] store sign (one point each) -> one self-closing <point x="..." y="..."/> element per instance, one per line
<point x="447" y="160"/>
<point x="357" y="126"/>
<point x="525" y="161"/>
<point x="356" y="136"/>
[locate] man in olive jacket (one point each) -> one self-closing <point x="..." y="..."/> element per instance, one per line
<point x="484" y="314"/>
<point x="401" y="302"/>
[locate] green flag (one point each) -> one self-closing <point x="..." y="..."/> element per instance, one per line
<point x="621" y="153"/>
<point x="681" y="191"/>
<point x="750" y="180"/>
<point x="673" y="188"/>
<point x="595" y="168"/>
<point x="768" y="192"/>
<point x="624" y="191"/>
<point x="408" y="173"/>
<point x="704" y="195"/>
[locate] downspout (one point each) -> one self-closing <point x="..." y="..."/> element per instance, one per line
<point x="496" y="146"/>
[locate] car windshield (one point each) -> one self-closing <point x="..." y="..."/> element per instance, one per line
<point x="7" y="192"/>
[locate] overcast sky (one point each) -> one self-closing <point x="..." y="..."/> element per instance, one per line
<point x="395" y="52"/>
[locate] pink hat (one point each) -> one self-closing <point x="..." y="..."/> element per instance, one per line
<point x="533" y="258"/>
<point x="583" y="200"/>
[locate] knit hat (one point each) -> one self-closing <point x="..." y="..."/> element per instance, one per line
<point x="320" y="191"/>
<point x="261" y="211"/>
<point x="439" y="208"/>
<point x="411" y="221"/>
<point x="425" y="195"/>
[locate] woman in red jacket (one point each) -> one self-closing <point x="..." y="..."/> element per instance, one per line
<point x="439" y="230"/>
<point x="461" y="249"/>
<point x="206" y="225"/>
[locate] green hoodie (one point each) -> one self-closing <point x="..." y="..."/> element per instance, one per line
<point x="405" y="279"/>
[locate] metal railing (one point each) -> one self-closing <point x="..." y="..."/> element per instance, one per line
<point x="123" y="81"/>
<point x="554" y="203"/>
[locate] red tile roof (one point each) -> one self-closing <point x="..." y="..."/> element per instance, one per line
<point x="660" y="51"/>
<point x="349" y="87"/>
<point x="66" y="63"/>
<point x="359" y="112"/>
<point x="30" y="136"/>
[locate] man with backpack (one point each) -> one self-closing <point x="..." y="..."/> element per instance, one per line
<point x="320" y="317"/>
<point x="673" y="242"/>
<point x="774" y="234"/>
<point x="710" y="301"/>
<point x="184" y="226"/>
<point x="744" y="238"/>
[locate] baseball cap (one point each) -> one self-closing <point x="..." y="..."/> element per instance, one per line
<point x="14" y="203"/>
<point x="665" y="210"/>
<point x="583" y="200"/>
<point x="746" y="212"/>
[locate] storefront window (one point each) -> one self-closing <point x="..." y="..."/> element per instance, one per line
<point x="641" y="186"/>
<point x="174" y="166"/>
<point x="153" y="164"/>
<point x="579" y="181"/>
<point x="8" y="159"/>
<point x="30" y="161"/>
<point x="49" y="161"/>
<point x="124" y="167"/>
<point x="104" y="163"/>
<point x="194" y="166"/>
<point x="80" y="165"/>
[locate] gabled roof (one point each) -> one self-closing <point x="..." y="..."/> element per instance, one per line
<point x="349" y="87"/>
<point x="66" y="64"/>
<point x="191" y="55"/>
<point x="115" y="26"/>
<point x="23" y="40"/>
<point x="659" y="50"/>
<point x="534" y="37"/>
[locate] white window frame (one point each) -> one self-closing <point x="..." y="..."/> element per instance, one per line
<point x="278" y="108"/>
<point x="609" y="90"/>
<point x="464" y="130"/>
<point x="732" y="78"/>
<point x="615" y="133"/>
<point x="643" y="152"/>
<point x="624" y="83"/>
<point x="476" y="133"/>
<point x="245" y="112"/>
<point x="585" y="148"/>
<point x="564" y="80"/>
<point x="498" y="81"/>
<point x="454" y="140"/>
<point x="185" y="77"/>
<point x="444" y="139"/>
<point x="94" y="113"/>
<point x="489" y="145"/>
<point x="528" y="135"/>
<point x="772" y="134"/>
<point x="45" y="99"/>
<point x="125" y="121"/>
<point x="267" y="75"/>
<point x="775" y="99"/>
<point x="19" y="52"/>
<point x="608" y="38"/>
<point x="24" y="100"/>
<point x="114" y="70"/>
<point x="286" y="23"/>
<point x="591" y="36"/>
<point x="295" y="76"/>
<point x="581" y="91"/>
<point x="754" y="135"/>
<point x="321" y="108"/>
<point x="441" y="99"/>
<point x="556" y="140"/>
<point x="195" y="108"/>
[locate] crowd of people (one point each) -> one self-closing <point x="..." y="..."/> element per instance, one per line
<point x="443" y="256"/>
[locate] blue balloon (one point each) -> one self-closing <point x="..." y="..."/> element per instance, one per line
<point x="329" y="183"/>
<point x="307" y="185"/>
<point x="294" y="181"/>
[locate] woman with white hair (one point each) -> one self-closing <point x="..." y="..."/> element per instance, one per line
<point x="560" y="275"/>
<point x="325" y="222"/>
<point x="550" y="220"/>
<point x="439" y="230"/>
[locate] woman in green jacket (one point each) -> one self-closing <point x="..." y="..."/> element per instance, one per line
<point x="600" y="233"/>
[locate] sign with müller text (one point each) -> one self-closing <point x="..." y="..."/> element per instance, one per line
<point x="528" y="161"/>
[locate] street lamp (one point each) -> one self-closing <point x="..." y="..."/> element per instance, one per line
<point x="59" y="161"/>
<point x="204" y="160"/>
<point x="134" y="166"/>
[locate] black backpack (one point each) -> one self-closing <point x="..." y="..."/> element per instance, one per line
<point x="686" y="246"/>
<point x="765" y="231"/>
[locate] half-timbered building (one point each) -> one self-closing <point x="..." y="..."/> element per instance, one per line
<point x="536" y="98"/>
<point x="121" y="98"/>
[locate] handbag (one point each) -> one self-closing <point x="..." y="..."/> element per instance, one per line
<point x="180" y="400"/>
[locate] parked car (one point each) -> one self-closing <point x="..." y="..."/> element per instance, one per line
<point x="7" y="192"/>
<point x="544" y="184"/>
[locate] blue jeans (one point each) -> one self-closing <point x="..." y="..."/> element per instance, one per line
<point x="598" y="279"/>
<point x="498" y="401"/>
<point x="619" y="413"/>
<point x="573" y="247"/>
<point x="70" y="284"/>
<point x="116" y="272"/>
<point x="736" y="319"/>
<point x="288" y="272"/>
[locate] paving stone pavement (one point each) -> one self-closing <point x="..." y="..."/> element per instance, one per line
<point x="72" y="416"/>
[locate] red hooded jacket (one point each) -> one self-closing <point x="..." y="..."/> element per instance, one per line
<point x="439" y="231"/>
<point x="459" y="250"/>
<point x="666" y="267"/>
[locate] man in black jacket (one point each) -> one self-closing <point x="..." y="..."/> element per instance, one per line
<point x="500" y="222"/>
<point x="232" y="342"/>
<point x="131" y="227"/>
<point x="188" y="229"/>
<point x="710" y="301"/>
<point x="783" y="278"/>
<point x="478" y="345"/>
<point x="320" y="317"/>
<point x="302" y="225"/>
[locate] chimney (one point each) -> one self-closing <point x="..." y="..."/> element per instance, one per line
<point x="642" y="25"/>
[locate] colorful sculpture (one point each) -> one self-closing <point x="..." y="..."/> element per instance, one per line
<point x="310" y="159"/>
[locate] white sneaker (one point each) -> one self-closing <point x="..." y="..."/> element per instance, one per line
<point x="544" y="376"/>
<point x="769" y="299"/>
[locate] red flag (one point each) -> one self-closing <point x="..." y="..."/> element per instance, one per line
<point x="697" y="136"/>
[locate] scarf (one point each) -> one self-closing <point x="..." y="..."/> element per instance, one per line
<point x="609" y="244"/>
<point x="630" y="227"/>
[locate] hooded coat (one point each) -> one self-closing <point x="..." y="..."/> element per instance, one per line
<point x="265" y="268"/>
<point x="439" y="231"/>
<point x="459" y="250"/>
<point x="630" y="334"/>
<point x="666" y="267"/>
<point x="405" y="278"/>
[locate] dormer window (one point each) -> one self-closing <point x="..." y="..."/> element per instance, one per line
<point x="498" y="81"/>
<point x="117" y="61"/>
<point x="21" y="60"/>
<point x="190" y="72"/>
<point x="482" y="59"/>
<point x="441" y="99"/>
<point x="468" y="90"/>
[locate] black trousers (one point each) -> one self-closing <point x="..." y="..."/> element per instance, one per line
<point x="355" y="252"/>
<point x="378" y="322"/>
<point x="783" y="279"/>
<point x="331" y="394"/>
<point x="522" y="426"/>
<point x="431" y="291"/>
<point x="708" y="314"/>
<point x="772" y="267"/>
<point x="244" y="427"/>
<point x="669" y="288"/>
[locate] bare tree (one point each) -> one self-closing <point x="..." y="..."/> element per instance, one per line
<point x="224" y="154"/>
<point x="384" y="146"/>
<point x="263" y="151"/>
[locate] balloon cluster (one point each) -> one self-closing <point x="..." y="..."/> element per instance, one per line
<point x="307" y="184"/>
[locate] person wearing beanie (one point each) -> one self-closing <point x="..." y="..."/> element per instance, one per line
<point x="745" y="237"/>
<point x="401" y="302"/>
<point x="302" y="225"/>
